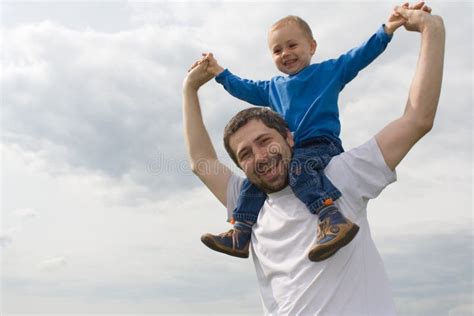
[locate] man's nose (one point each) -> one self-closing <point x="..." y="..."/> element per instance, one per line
<point x="261" y="154"/>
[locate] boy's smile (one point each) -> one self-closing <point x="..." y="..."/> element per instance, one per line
<point x="291" y="48"/>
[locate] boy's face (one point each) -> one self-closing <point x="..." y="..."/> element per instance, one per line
<point x="291" y="48"/>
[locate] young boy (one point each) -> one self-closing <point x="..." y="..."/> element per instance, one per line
<point x="307" y="100"/>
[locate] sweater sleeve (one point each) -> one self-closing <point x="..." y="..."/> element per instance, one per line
<point x="254" y="92"/>
<point x="358" y="58"/>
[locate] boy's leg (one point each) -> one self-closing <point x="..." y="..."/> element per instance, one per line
<point x="312" y="187"/>
<point x="235" y="242"/>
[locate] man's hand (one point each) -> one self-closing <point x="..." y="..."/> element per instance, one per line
<point x="395" y="20"/>
<point x="197" y="75"/>
<point x="418" y="20"/>
<point x="214" y="68"/>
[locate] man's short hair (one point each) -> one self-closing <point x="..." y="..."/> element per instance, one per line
<point x="268" y="117"/>
<point x="296" y="20"/>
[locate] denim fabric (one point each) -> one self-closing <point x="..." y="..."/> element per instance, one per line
<point x="249" y="203"/>
<point x="306" y="179"/>
<point x="306" y="176"/>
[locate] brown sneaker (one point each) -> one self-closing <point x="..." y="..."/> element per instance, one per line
<point x="334" y="232"/>
<point x="234" y="242"/>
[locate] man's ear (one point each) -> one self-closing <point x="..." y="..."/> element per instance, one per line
<point x="289" y="138"/>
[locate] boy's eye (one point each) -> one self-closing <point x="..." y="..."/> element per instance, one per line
<point x="276" y="51"/>
<point x="293" y="45"/>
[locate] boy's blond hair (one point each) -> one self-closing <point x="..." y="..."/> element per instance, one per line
<point x="296" y="20"/>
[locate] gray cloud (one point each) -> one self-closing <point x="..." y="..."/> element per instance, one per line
<point x="431" y="273"/>
<point x="111" y="103"/>
<point x="5" y="239"/>
<point x="102" y="102"/>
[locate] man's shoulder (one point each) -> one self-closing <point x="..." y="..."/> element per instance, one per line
<point x="361" y="172"/>
<point x="235" y="181"/>
<point x="368" y="152"/>
<point x="359" y="157"/>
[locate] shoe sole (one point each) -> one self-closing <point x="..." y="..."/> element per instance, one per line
<point x="326" y="252"/>
<point x="209" y="242"/>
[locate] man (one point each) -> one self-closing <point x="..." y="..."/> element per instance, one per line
<point x="353" y="281"/>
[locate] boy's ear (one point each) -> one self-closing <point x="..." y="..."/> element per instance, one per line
<point x="314" y="45"/>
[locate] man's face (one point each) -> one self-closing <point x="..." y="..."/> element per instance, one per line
<point x="263" y="154"/>
<point x="291" y="48"/>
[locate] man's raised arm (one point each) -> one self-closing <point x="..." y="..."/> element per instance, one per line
<point x="201" y="154"/>
<point x="397" y="138"/>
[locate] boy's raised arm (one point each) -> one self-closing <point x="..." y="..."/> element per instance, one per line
<point x="253" y="92"/>
<point x="201" y="153"/>
<point x="356" y="59"/>
<point x="360" y="57"/>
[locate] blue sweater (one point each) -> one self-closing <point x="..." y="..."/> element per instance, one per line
<point x="308" y="99"/>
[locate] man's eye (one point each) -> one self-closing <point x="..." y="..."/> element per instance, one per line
<point x="244" y="156"/>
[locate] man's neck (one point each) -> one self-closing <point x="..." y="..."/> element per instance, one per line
<point x="283" y="192"/>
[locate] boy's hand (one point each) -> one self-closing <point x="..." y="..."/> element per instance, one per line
<point x="395" y="20"/>
<point x="213" y="67"/>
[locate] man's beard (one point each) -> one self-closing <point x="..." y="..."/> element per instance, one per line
<point x="275" y="163"/>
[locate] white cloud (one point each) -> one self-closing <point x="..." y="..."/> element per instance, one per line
<point x="14" y="224"/>
<point x="93" y="100"/>
<point x="26" y="213"/>
<point x="52" y="264"/>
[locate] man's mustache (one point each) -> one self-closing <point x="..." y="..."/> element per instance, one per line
<point x="263" y="166"/>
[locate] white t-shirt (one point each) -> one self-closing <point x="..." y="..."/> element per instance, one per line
<point x="353" y="281"/>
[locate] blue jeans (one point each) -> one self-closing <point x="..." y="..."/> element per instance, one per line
<point x="305" y="177"/>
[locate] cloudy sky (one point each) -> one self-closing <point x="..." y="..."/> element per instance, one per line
<point x="100" y="212"/>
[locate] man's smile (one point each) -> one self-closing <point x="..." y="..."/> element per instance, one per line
<point x="270" y="169"/>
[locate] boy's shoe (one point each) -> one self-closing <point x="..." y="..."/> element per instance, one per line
<point x="334" y="232"/>
<point x="234" y="242"/>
